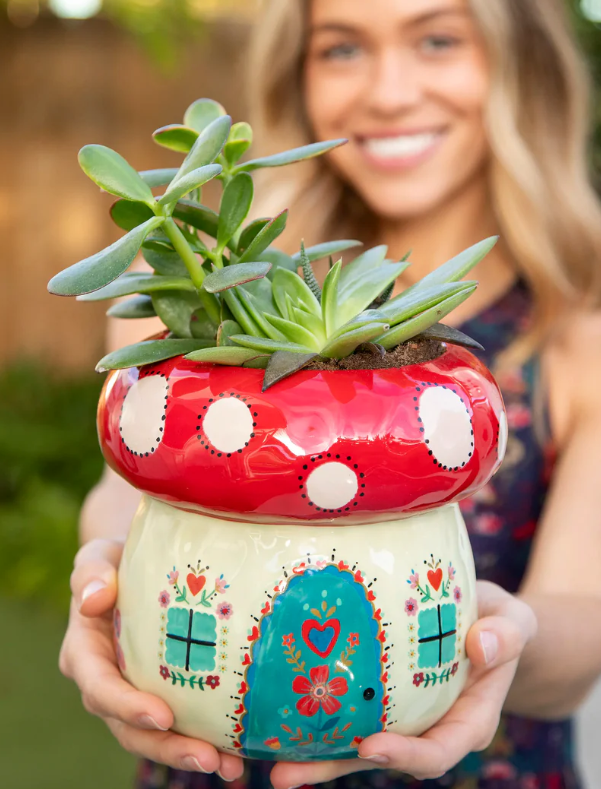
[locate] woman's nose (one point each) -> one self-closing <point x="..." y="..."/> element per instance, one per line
<point x="396" y="84"/>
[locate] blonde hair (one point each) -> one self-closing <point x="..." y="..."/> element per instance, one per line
<point x="538" y="123"/>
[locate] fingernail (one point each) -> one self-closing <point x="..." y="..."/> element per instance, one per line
<point x="192" y="764"/>
<point x="223" y="778"/>
<point x="92" y="588"/>
<point x="149" y="723"/>
<point x="377" y="758"/>
<point x="490" y="645"/>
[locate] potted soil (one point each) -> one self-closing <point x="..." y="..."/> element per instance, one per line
<point x="298" y="575"/>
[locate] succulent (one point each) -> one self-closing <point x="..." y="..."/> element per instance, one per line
<point x="225" y="294"/>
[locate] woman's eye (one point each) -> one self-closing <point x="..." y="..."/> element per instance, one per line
<point x="341" y="52"/>
<point x="435" y="44"/>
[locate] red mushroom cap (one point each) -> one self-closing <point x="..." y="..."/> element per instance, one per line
<point x="362" y="445"/>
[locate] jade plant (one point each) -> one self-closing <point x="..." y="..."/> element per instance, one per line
<point x="225" y="294"/>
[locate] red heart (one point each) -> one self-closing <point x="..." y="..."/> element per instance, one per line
<point x="240" y="710"/>
<point x="265" y="610"/>
<point x="254" y="635"/>
<point x="435" y="578"/>
<point x="246" y="661"/>
<point x="312" y="624"/>
<point x="195" y="584"/>
<point x="238" y="728"/>
<point x="371" y="596"/>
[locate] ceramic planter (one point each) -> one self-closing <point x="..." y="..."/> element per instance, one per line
<point x="298" y="575"/>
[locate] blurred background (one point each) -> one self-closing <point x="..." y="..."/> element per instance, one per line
<point x="110" y="72"/>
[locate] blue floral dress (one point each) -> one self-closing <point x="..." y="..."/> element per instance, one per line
<point x="501" y="519"/>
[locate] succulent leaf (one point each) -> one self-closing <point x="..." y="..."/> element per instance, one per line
<point x="362" y="265"/>
<point x="282" y="364"/>
<point x="419" y="323"/>
<point x="265" y="237"/>
<point x="164" y="260"/>
<point x="189" y="182"/>
<point x="231" y="276"/>
<point x="444" y="333"/>
<point x="320" y="251"/>
<point x="235" y="205"/>
<point x="285" y="281"/>
<point x="240" y="312"/>
<point x="357" y="294"/>
<point x="100" y="269"/>
<point x="266" y="345"/>
<point x="345" y="344"/>
<point x="259" y="316"/>
<point x="249" y="233"/>
<point x="329" y="299"/>
<point x="128" y="284"/>
<point x="309" y="274"/>
<point x="202" y="113"/>
<point x="239" y="141"/>
<point x="295" y="333"/>
<point x="112" y="173"/>
<point x="148" y="352"/>
<point x="128" y="214"/>
<point x="417" y="300"/>
<point x="175" y="309"/>
<point x="278" y="260"/>
<point x="136" y="307"/>
<point x="225" y="331"/>
<point x="310" y="322"/>
<point x="161" y="177"/>
<point x="363" y="319"/>
<point x="290" y="157"/>
<point x="262" y="294"/>
<point x="199" y="216"/>
<point x="232" y="356"/>
<point x="201" y="325"/>
<point x="207" y="147"/>
<point x="176" y="137"/>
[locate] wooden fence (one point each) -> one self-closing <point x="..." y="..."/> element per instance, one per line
<point x="62" y="86"/>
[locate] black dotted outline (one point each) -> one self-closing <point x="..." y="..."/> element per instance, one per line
<point x="146" y="374"/>
<point x="333" y="457"/>
<point x="427" y="441"/>
<point x="204" y="439"/>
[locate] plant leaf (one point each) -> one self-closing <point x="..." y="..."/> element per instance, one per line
<point x="164" y="260"/>
<point x="278" y="260"/>
<point x="361" y="266"/>
<point x="359" y="293"/>
<point x="310" y="322"/>
<point x="207" y="147"/>
<point x="253" y="308"/>
<point x="345" y="344"/>
<point x="262" y="294"/>
<point x="235" y="205"/>
<point x="416" y="300"/>
<point x="102" y="268"/>
<point x="136" y="307"/>
<point x="160" y="177"/>
<point x="457" y="268"/>
<point x="249" y="233"/>
<point x="128" y="214"/>
<point x="282" y="364"/>
<point x="147" y="352"/>
<point x="329" y="298"/>
<point x="288" y="282"/>
<point x="228" y="355"/>
<point x="265" y="237"/>
<point x="240" y="312"/>
<point x="231" y="276"/>
<point x="199" y="216"/>
<point x="138" y="283"/>
<point x="289" y="157"/>
<point x="295" y="333"/>
<point x="268" y="346"/>
<point x="309" y="274"/>
<point x="239" y="141"/>
<point x="112" y="173"/>
<point x="368" y="316"/>
<point x="202" y="113"/>
<point x="419" y="323"/>
<point x="176" y="137"/>
<point x="444" y="333"/>
<point x="320" y="251"/>
<point x="191" y="181"/>
<point x="225" y="331"/>
<point x="202" y="327"/>
<point x="175" y="309"/>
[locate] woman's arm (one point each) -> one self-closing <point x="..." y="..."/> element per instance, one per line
<point x="563" y="582"/>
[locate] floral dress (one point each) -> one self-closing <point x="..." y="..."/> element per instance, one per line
<point x="501" y="519"/>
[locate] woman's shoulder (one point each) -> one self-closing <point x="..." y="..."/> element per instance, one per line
<point x="571" y="362"/>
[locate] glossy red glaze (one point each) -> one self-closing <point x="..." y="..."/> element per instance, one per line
<point x="369" y="427"/>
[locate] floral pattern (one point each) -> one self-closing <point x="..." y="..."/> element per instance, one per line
<point x="320" y="691"/>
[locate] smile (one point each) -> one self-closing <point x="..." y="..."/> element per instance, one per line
<point x="401" y="150"/>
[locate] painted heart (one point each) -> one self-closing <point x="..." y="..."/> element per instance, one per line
<point x="246" y="660"/>
<point x="435" y="578"/>
<point x="254" y="634"/>
<point x="238" y="728"/>
<point x="195" y="583"/>
<point x="321" y="637"/>
<point x="239" y="710"/>
<point x="371" y="596"/>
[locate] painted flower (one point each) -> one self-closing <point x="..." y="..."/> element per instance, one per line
<point x="356" y="742"/>
<point x="213" y="682"/>
<point x="411" y="628"/>
<point x="164" y="672"/>
<point x="411" y="666"/>
<point x="273" y="743"/>
<point x="455" y="668"/>
<point x="413" y="580"/>
<point x="117" y="622"/>
<point x="451" y="572"/>
<point x="288" y="640"/>
<point x="223" y="656"/>
<point x="411" y="607"/>
<point x="285" y="711"/>
<point x="221" y="585"/>
<point x="319" y="692"/>
<point x="353" y="639"/>
<point x="164" y="598"/>
<point x="173" y="576"/>
<point x="225" y="610"/>
<point x="418" y="679"/>
<point x="412" y="654"/>
<point x="457" y="594"/>
<point x="225" y="630"/>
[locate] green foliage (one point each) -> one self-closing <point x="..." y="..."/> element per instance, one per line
<point x="229" y="296"/>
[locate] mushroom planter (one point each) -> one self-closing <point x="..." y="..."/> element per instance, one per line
<point x="298" y="575"/>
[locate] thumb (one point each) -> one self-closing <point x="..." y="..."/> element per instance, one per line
<point x="94" y="578"/>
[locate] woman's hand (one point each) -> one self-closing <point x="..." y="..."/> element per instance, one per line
<point x="494" y="646"/>
<point x="139" y="721"/>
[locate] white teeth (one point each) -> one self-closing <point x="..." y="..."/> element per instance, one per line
<point x="397" y="147"/>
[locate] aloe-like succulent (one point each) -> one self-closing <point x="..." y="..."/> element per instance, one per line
<point x="225" y="294"/>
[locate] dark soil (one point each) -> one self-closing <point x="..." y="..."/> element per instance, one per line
<point x="412" y="352"/>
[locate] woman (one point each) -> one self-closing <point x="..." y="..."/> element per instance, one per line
<point x="464" y="119"/>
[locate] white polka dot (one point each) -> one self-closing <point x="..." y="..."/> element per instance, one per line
<point x="228" y="424"/>
<point x="447" y="426"/>
<point x="332" y="485"/>
<point x="142" y="416"/>
<point x="502" y="447"/>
